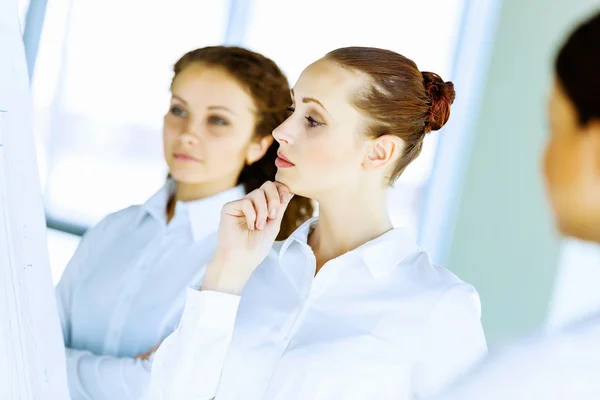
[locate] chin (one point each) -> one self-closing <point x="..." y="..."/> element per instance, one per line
<point x="282" y="177"/>
<point x="295" y="187"/>
<point x="185" y="176"/>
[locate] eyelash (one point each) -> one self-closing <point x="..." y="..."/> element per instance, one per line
<point x="214" y="120"/>
<point x="311" y="122"/>
<point x="177" y="111"/>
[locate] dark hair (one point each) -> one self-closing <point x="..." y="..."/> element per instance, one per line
<point x="578" y="69"/>
<point x="400" y="100"/>
<point x="270" y="91"/>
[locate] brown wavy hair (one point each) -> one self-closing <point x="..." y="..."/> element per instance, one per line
<point x="269" y="89"/>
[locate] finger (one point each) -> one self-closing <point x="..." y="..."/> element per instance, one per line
<point x="284" y="192"/>
<point x="273" y="199"/>
<point x="283" y="207"/>
<point x="247" y="208"/>
<point x="233" y="208"/>
<point x="259" y="200"/>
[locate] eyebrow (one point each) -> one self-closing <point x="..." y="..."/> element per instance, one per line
<point x="222" y="108"/>
<point x="210" y="108"/>
<point x="309" y="100"/>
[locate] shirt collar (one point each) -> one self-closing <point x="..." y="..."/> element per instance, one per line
<point x="384" y="253"/>
<point x="203" y="214"/>
<point x="156" y="205"/>
<point x="300" y="235"/>
<point x="381" y="255"/>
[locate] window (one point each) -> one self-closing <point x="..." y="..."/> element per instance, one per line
<point x="102" y="133"/>
<point x="23" y="7"/>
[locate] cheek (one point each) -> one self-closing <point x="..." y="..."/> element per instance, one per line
<point x="171" y="130"/>
<point x="225" y="152"/>
<point x="565" y="168"/>
<point x="329" y="155"/>
<point x="549" y="162"/>
<point x="560" y="175"/>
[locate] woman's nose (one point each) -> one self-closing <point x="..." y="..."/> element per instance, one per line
<point x="191" y="133"/>
<point x="282" y="134"/>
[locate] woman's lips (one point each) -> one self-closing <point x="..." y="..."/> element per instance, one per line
<point x="185" y="157"/>
<point x="283" y="162"/>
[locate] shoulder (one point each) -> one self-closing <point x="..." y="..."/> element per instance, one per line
<point x="115" y="221"/>
<point x="539" y="365"/>
<point x="433" y="280"/>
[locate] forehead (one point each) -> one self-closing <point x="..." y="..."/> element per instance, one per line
<point x="203" y="85"/>
<point x="331" y="84"/>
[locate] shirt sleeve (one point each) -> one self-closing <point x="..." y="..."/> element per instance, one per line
<point x="453" y="340"/>
<point x="189" y="362"/>
<point x="93" y="377"/>
<point x="72" y="274"/>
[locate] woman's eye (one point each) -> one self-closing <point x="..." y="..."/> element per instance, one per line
<point x="178" y="111"/>
<point x="312" y="123"/>
<point x="218" y="121"/>
<point x="291" y="109"/>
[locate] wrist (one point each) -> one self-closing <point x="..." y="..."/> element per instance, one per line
<point x="220" y="278"/>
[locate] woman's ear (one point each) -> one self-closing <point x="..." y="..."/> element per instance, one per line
<point x="383" y="151"/>
<point x="257" y="149"/>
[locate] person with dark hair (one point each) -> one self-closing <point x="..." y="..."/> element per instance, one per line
<point x="564" y="364"/>
<point x="123" y="291"/>
<point x="348" y="307"/>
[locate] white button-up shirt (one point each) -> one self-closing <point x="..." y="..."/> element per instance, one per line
<point x="123" y="291"/>
<point x="379" y="322"/>
<point x="563" y="365"/>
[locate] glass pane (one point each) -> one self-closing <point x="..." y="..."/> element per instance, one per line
<point x="23" y="7"/>
<point x="100" y="98"/>
<point x="61" y="247"/>
<point x="297" y="33"/>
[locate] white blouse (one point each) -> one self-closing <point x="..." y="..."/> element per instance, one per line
<point x="379" y="322"/>
<point x="123" y="291"/>
<point x="563" y="365"/>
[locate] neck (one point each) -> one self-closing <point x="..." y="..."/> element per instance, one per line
<point x="196" y="191"/>
<point x="345" y="225"/>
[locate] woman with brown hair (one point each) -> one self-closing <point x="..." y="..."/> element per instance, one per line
<point x="348" y="307"/>
<point x="124" y="289"/>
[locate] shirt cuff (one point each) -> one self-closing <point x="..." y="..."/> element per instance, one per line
<point x="215" y="310"/>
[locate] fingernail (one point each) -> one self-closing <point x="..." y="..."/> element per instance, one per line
<point x="273" y="213"/>
<point x="285" y="197"/>
<point x="259" y="226"/>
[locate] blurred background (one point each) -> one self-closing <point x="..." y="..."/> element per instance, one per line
<point x="100" y="75"/>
